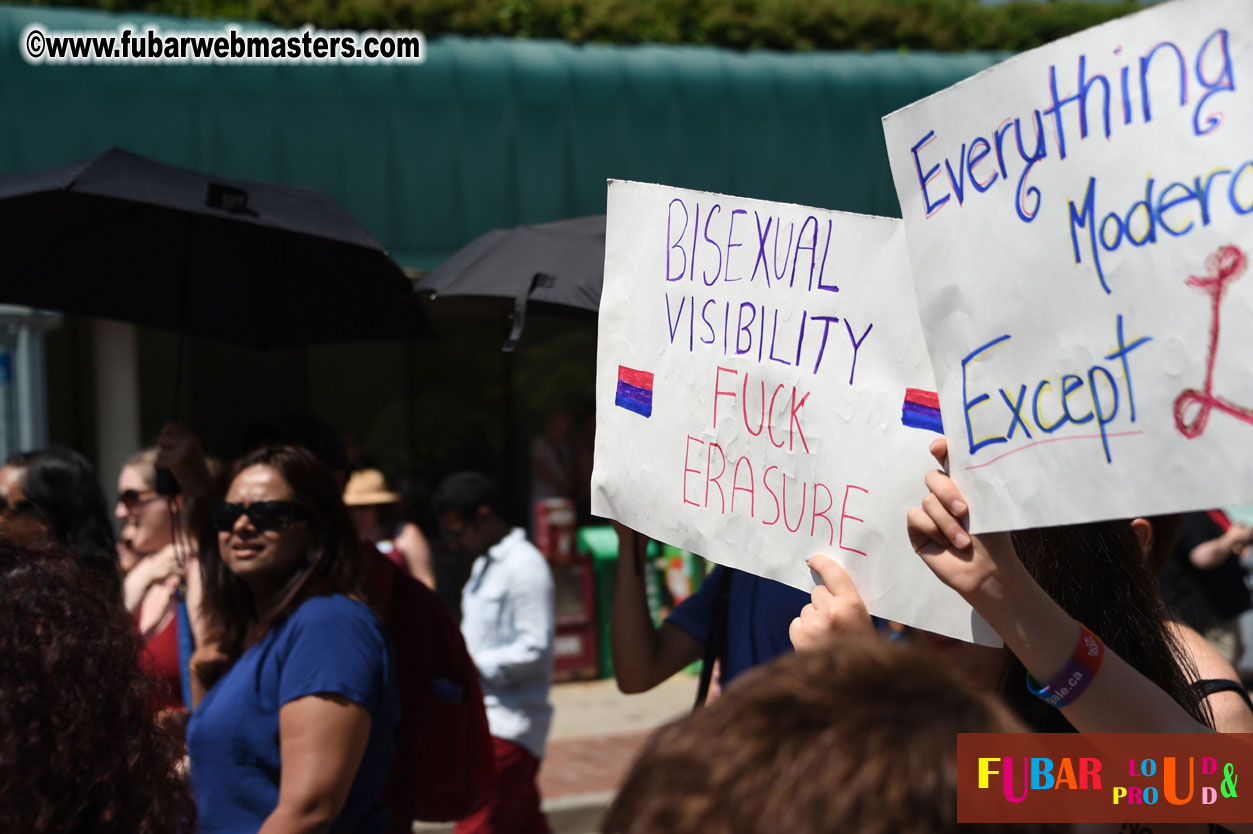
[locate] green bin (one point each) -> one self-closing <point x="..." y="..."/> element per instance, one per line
<point x="678" y="574"/>
<point x="602" y="543"/>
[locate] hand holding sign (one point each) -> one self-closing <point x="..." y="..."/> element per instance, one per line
<point x="965" y="564"/>
<point x="836" y="609"/>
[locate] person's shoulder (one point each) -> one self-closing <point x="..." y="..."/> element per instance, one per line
<point x="523" y="557"/>
<point x="336" y="609"/>
<point x="761" y="583"/>
<point x="333" y="624"/>
<point x="524" y="545"/>
<point x="1208" y="662"/>
<point x="524" y="550"/>
<point x="709" y="587"/>
<point x="767" y="595"/>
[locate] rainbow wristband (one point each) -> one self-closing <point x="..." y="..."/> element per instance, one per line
<point x="1066" y="687"/>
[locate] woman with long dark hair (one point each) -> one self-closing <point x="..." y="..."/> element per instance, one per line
<point x="1098" y="575"/>
<point x="53" y="493"/>
<point x="296" y="733"/>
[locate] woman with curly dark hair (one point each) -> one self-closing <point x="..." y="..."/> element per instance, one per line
<point x="54" y="493"/>
<point x="296" y="732"/>
<point x="79" y="749"/>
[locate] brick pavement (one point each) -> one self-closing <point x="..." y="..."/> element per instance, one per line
<point x="589" y="764"/>
<point x="596" y="734"/>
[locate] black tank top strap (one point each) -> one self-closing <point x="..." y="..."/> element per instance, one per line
<point x="1210" y="686"/>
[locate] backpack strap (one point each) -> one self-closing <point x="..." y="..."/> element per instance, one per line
<point x="186" y="645"/>
<point x="1220" y="518"/>
<point x="717" y="637"/>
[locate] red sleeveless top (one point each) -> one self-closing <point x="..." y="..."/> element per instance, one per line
<point x="160" y="660"/>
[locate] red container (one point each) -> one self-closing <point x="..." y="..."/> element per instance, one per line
<point x="576" y="651"/>
<point x="555" y="526"/>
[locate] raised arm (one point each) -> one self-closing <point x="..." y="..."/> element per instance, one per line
<point x="987" y="572"/>
<point x="1233" y="542"/>
<point x="149" y="571"/>
<point x="643" y="655"/>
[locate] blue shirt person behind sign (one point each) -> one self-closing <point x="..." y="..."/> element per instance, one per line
<point x="758" y="614"/>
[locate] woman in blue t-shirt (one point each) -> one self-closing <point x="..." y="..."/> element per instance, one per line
<point x="296" y="733"/>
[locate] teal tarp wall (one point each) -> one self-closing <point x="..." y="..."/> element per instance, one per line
<point x="486" y="133"/>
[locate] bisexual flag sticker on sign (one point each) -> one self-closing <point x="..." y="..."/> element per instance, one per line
<point x="921" y="410"/>
<point x="635" y="391"/>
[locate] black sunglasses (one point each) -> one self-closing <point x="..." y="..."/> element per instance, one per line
<point x="264" y="515"/>
<point x="23" y="507"/>
<point x="133" y="499"/>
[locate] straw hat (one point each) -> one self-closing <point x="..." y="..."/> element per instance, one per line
<point x="368" y="487"/>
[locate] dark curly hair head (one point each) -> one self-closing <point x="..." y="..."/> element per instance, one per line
<point x="80" y="750"/>
<point x="61" y="484"/>
<point x="333" y="564"/>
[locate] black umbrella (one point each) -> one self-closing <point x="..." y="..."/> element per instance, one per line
<point x="553" y="267"/>
<point x="261" y="265"/>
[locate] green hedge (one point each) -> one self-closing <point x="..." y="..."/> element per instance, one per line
<point x="946" y="25"/>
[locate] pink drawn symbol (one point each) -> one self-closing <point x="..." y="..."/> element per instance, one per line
<point x="1225" y="266"/>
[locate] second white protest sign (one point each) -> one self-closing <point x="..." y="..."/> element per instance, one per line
<point x="1080" y="219"/>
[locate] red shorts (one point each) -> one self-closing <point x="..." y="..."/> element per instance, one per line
<point x="515" y="807"/>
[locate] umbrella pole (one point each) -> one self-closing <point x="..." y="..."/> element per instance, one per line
<point x="517" y="488"/>
<point x="182" y="323"/>
<point x="167" y="484"/>
<point x="178" y="373"/>
<point x="410" y="409"/>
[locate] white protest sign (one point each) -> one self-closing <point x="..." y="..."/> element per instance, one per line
<point x="763" y="393"/>
<point x="1079" y="223"/>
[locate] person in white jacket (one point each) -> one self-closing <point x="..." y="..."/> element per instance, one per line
<point x="508" y="622"/>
